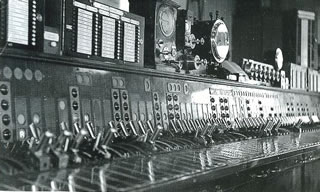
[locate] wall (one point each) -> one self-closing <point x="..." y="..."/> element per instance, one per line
<point x="258" y="26"/>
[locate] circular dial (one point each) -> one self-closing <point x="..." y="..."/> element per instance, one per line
<point x="279" y="59"/>
<point x="166" y="20"/>
<point x="219" y="41"/>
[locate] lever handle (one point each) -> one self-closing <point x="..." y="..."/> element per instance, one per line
<point x="66" y="144"/>
<point x="211" y="121"/>
<point x="173" y="126"/>
<point x="298" y="124"/>
<point x="192" y="125"/>
<point x="63" y="141"/>
<point x="225" y="124"/>
<point x="109" y="136"/>
<point x="150" y="126"/>
<point x="205" y="129"/>
<point x="155" y="134"/>
<point x="251" y="124"/>
<point x="218" y="121"/>
<point x="246" y="123"/>
<point x="45" y="141"/>
<point x="238" y="123"/>
<point x="259" y="121"/>
<point x="277" y="125"/>
<point x="63" y="126"/>
<point x="133" y="128"/>
<point x="90" y="129"/>
<point x="202" y="122"/>
<point x="123" y="128"/>
<point x="34" y="131"/>
<point x="197" y="123"/>
<point x="187" y="125"/>
<point x="256" y="122"/>
<point x="142" y="127"/>
<point x="97" y="141"/>
<point x="262" y="120"/>
<point x="271" y="124"/>
<point x="79" y="138"/>
<point x="180" y="126"/>
<point x="113" y="126"/>
<point x="76" y="127"/>
<point x="211" y="129"/>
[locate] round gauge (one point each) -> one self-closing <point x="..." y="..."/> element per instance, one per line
<point x="219" y="41"/>
<point x="166" y="20"/>
<point x="279" y="59"/>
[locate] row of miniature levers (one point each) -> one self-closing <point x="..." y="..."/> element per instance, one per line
<point x="90" y="144"/>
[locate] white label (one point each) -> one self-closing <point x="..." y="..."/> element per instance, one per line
<point x="125" y="19"/>
<point x="129" y="42"/>
<point x="93" y="9"/>
<point x="78" y="4"/>
<point x="116" y="11"/>
<point x="51" y="36"/>
<point x="135" y="22"/>
<point x="108" y="37"/>
<point x="84" y="36"/>
<point x="18" y="21"/>
<point x="105" y="13"/>
<point x="101" y="6"/>
<point x="114" y="16"/>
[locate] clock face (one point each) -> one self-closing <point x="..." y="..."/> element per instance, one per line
<point x="166" y="20"/>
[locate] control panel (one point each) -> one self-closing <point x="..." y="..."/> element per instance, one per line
<point x="80" y="112"/>
<point x="21" y="23"/>
<point x="70" y="97"/>
<point x="98" y="31"/>
<point x="31" y="24"/>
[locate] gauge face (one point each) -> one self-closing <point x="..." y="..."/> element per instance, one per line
<point x="219" y="41"/>
<point x="166" y="20"/>
<point x="279" y="59"/>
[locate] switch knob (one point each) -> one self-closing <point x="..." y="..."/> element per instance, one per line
<point x="5" y="105"/>
<point x="4" y="89"/>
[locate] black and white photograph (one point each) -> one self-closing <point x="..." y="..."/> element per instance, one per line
<point x="160" y="95"/>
